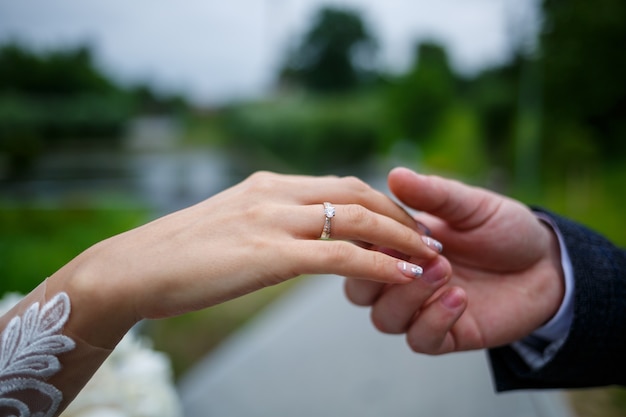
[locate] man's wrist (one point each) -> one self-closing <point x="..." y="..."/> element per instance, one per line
<point x="540" y="346"/>
<point x="559" y="323"/>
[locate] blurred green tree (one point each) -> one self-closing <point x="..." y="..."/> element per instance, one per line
<point x="336" y="54"/>
<point x="147" y="101"/>
<point x="60" y="72"/>
<point x="419" y="99"/>
<point x="48" y="97"/>
<point x="311" y="135"/>
<point x="582" y="53"/>
<point x="493" y="94"/>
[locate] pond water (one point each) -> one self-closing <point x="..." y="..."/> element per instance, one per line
<point x="150" y="169"/>
<point x="161" y="180"/>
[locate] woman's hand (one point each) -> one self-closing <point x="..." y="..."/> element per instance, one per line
<point x="260" y="232"/>
<point x="506" y="273"/>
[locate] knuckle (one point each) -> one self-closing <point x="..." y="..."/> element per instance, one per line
<point x="416" y="343"/>
<point x="263" y="180"/>
<point x="351" y="179"/>
<point x="357" y="293"/>
<point x="359" y="216"/>
<point x="420" y="344"/>
<point x="258" y="175"/>
<point x="360" y="299"/>
<point x="355" y="183"/>
<point x="380" y="325"/>
<point x="338" y="253"/>
<point x="385" y="326"/>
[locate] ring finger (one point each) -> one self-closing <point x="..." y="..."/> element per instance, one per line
<point x="356" y="223"/>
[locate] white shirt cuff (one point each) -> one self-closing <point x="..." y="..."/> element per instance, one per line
<point x="554" y="332"/>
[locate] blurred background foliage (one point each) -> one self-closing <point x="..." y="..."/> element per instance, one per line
<point x="548" y="127"/>
<point x="49" y="99"/>
<point x="336" y="54"/>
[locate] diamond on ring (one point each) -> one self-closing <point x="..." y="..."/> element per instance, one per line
<point x="329" y="213"/>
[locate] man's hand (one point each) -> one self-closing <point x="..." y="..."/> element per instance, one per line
<point x="506" y="273"/>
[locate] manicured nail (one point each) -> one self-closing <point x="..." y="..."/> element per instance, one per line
<point x="410" y="270"/>
<point x="432" y="276"/>
<point x="423" y="228"/>
<point x="433" y="244"/>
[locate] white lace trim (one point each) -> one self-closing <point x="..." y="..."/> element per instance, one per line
<point x="28" y="352"/>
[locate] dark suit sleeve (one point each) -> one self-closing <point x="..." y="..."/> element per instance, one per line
<point x="594" y="352"/>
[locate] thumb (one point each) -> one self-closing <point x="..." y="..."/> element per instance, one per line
<point x="459" y="205"/>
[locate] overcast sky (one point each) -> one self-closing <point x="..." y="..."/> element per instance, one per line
<point x="215" y="51"/>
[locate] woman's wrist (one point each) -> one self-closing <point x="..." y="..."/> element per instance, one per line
<point x="101" y="309"/>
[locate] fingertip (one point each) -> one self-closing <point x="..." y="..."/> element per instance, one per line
<point x="400" y="170"/>
<point x="385" y="326"/>
<point x="404" y="184"/>
<point x="430" y="332"/>
<point x="362" y="293"/>
<point x="432" y="244"/>
<point x="396" y="170"/>
<point x="398" y="173"/>
<point x="437" y="272"/>
<point x="454" y="299"/>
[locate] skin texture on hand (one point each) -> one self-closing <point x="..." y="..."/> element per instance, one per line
<point x="260" y="232"/>
<point x="506" y="274"/>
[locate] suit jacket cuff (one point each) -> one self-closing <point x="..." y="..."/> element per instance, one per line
<point x="592" y="354"/>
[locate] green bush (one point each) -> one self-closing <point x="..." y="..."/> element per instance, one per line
<point x="28" y="125"/>
<point x="36" y="242"/>
<point x="310" y="135"/>
<point x="81" y="116"/>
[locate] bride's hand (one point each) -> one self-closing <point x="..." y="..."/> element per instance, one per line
<point x="260" y="232"/>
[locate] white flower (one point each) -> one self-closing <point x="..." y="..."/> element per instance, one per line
<point x="135" y="381"/>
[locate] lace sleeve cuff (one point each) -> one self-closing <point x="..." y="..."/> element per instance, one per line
<point x="29" y="347"/>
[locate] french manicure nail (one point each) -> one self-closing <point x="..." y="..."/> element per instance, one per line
<point x="410" y="270"/>
<point x="423" y="228"/>
<point x="433" y="244"/>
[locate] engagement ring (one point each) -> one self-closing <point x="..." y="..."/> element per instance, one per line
<point x="329" y="212"/>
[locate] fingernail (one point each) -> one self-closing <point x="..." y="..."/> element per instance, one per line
<point x="423" y="228"/>
<point x="433" y="244"/>
<point x="453" y="298"/>
<point x="410" y="270"/>
<point x="434" y="274"/>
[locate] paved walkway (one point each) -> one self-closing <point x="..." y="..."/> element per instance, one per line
<point x="314" y="354"/>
